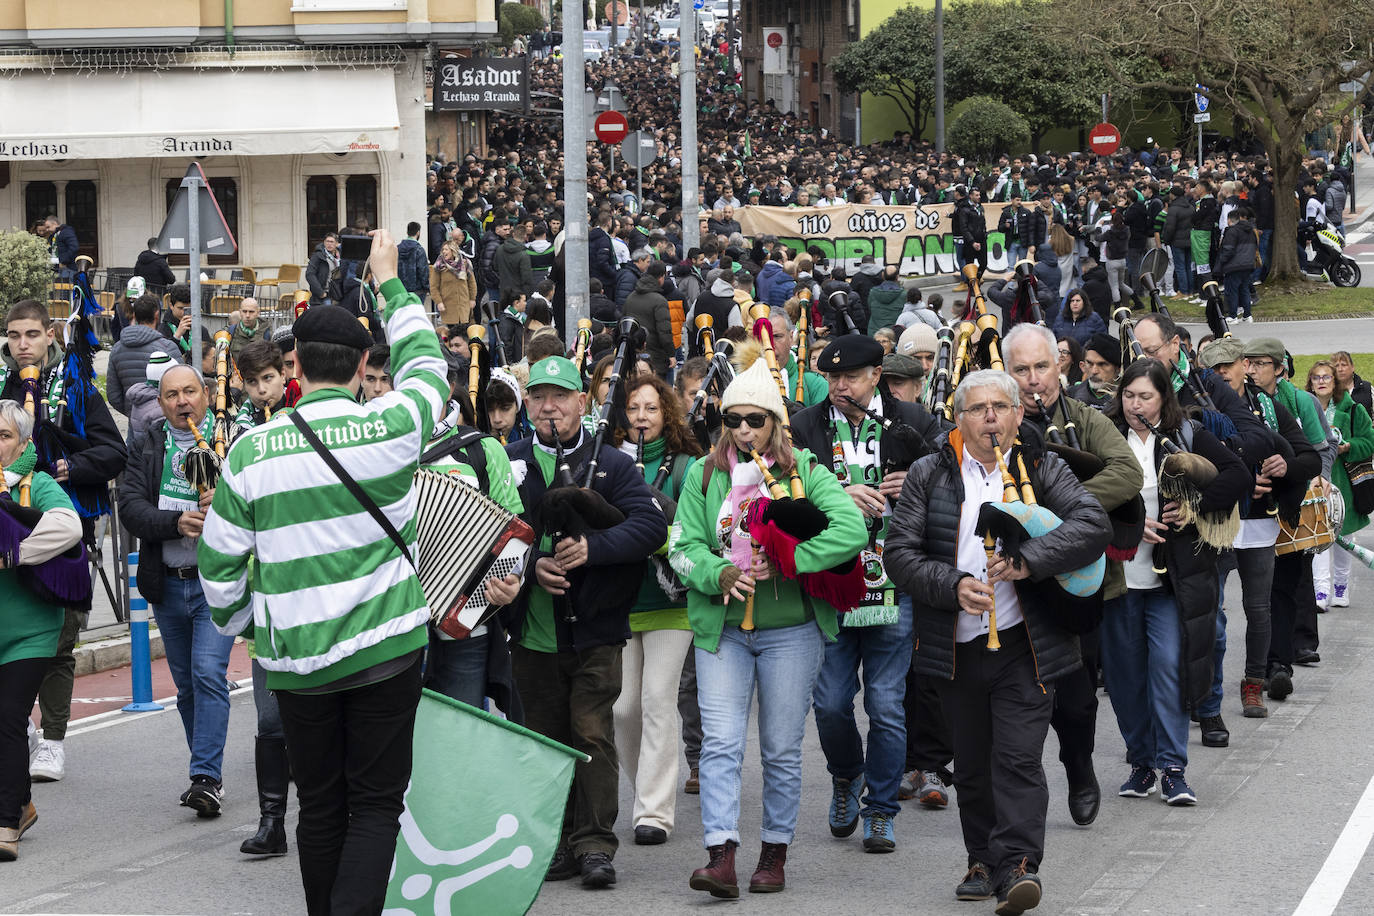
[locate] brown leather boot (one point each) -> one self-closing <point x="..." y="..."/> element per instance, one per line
<point x="768" y="877"/>
<point x="718" y="876"/>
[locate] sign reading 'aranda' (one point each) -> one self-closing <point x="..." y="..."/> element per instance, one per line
<point x="476" y="83"/>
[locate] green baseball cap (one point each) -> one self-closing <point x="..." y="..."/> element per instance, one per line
<point x="555" y="370"/>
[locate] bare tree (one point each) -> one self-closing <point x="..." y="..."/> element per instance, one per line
<point x="1272" y="63"/>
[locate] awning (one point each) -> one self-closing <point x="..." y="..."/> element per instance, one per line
<point x="66" y="115"/>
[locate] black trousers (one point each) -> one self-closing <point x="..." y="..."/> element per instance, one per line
<point x="569" y="696"/>
<point x="19" y="682"/>
<point x="928" y="744"/>
<point x="1294" y="623"/>
<point x="1075" y="713"/>
<point x="689" y="711"/>
<point x="999" y="717"/>
<point x="350" y="754"/>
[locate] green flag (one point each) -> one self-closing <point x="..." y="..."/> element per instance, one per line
<point x="748" y="146"/>
<point x="483" y="813"/>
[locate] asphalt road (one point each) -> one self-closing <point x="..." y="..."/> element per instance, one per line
<point x="112" y="839"/>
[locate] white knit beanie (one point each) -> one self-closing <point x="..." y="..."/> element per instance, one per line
<point x="919" y="338"/>
<point x="755" y="387"/>
<point x="158" y="364"/>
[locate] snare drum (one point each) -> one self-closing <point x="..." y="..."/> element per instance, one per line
<point x="1314" y="532"/>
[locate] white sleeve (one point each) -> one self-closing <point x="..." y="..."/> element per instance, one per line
<point x="56" y="532"/>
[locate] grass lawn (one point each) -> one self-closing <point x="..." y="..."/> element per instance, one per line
<point x="1304" y="300"/>
<point x="1364" y="366"/>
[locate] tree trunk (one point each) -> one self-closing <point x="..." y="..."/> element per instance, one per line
<point x="1283" y="153"/>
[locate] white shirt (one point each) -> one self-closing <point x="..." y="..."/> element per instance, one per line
<point x="981" y="486"/>
<point x="1139" y="570"/>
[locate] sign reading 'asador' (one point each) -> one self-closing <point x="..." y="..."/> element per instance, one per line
<point x="476" y="83"/>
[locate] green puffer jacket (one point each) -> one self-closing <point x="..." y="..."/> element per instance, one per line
<point x="695" y="551"/>
<point x="1354" y="423"/>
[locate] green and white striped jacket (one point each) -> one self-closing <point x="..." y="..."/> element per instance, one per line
<point x="331" y="594"/>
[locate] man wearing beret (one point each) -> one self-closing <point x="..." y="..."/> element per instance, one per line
<point x="1101" y="367"/>
<point x="871" y="464"/>
<point x="569" y="625"/>
<point x="323" y="496"/>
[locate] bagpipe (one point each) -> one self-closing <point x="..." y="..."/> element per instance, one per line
<point x="900" y="446"/>
<point x="1026" y="306"/>
<point x="1215" y="310"/>
<point x="1073" y="598"/>
<point x="938" y="392"/>
<point x="570" y="509"/>
<point x="202" y="461"/>
<point x="581" y="346"/>
<point x="64" y="580"/>
<point x="803" y="341"/>
<point x="1128" y="519"/>
<point x="663" y="572"/>
<point x="719" y="373"/>
<point x="492" y="314"/>
<point x="479" y="376"/>
<point x="1217" y="422"/>
<point x="705" y="336"/>
<point x="1183" y="477"/>
<point x="976" y="345"/>
<point x="839" y="304"/>
<point x="778" y="524"/>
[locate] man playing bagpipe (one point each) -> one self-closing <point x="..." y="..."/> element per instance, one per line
<point x="570" y="624"/>
<point x="1114" y="478"/>
<point x="80" y="446"/>
<point x="868" y="440"/>
<point x="989" y="626"/>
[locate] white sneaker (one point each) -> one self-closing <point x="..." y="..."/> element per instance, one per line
<point x="50" y="763"/>
<point x="34" y="741"/>
<point x="1340" y="596"/>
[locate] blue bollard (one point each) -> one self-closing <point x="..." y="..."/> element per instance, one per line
<point x="140" y="654"/>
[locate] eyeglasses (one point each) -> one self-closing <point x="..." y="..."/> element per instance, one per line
<point x="1322" y="379"/>
<point x="1001" y="409"/>
<point x="1153" y="352"/>
<point x="755" y="420"/>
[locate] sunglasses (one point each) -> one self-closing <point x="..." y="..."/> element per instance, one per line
<point x="755" y="420"/>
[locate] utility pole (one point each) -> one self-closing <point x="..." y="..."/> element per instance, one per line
<point x="687" y="72"/>
<point x="577" y="272"/>
<point x="939" y="76"/>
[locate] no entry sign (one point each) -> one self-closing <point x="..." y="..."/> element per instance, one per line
<point x="1104" y="139"/>
<point x="611" y="127"/>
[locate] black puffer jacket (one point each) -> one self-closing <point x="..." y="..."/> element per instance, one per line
<point x="1192" y="565"/>
<point x="811" y="427"/>
<point x="920" y="556"/>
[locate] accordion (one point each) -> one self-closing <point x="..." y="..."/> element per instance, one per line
<point x="465" y="538"/>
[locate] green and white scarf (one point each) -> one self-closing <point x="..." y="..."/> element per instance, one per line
<point x="855" y="460"/>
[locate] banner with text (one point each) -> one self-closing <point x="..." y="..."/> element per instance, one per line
<point x="481" y="83"/>
<point x="917" y="240"/>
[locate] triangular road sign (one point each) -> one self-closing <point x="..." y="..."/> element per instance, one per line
<point x="215" y="237"/>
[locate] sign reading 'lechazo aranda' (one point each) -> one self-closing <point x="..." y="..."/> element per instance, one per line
<point x="478" y="83"/>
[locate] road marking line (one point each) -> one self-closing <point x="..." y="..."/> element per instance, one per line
<point x="117" y="716"/>
<point x="1326" y="890"/>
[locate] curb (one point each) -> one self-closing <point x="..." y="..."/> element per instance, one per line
<point x="105" y="654"/>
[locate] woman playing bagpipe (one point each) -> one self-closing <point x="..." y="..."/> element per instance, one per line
<point x="753" y="626"/>
<point x="1157" y="639"/>
<point x="646" y="724"/>
<point x="37" y="524"/>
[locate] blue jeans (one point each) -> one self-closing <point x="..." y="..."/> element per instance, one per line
<point x="1183" y="269"/>
<point x="1142" y="641"/>
<point x="1236" y="285"/>
<point x="783" y="664"/>
<point x="885" y="654"/>
<point x="1017" y="251"/>
<point x="198" y="656"/>
<point x="269" y="713"/>
<point x="457" y="668"/>
<point x="1266" y="250"/>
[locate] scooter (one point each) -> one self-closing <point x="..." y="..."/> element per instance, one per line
<point x="1328" y="254"/>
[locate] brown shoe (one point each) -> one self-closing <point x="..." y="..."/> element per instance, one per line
<point x="27" y="818"/>
<point x="718" y="877"/>
<point x="768" y="877"/>
<point x="693" y="785"/>
<point x="1252" y="698"/>
<point x="9" y="844"/>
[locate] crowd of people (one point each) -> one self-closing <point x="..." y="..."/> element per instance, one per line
<point x="825" y="505"/>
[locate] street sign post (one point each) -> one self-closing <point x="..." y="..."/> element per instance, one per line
<point x="639" y="149"/>
<point x="194" y="224"/>
<point x="1104" y="139"/>
<point x="1202" y="117"/>
<point x="1201" y="99"/>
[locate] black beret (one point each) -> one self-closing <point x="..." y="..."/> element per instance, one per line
<point x="851" y="351"/>
<point x="1106" y="346"/>
<point x="332" y="324"/>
